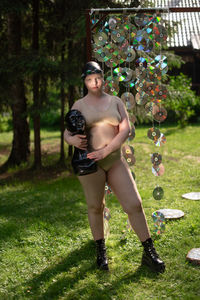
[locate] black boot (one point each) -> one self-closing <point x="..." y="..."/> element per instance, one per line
<point x="102" y="261"/>
<point x="151" y="258"/>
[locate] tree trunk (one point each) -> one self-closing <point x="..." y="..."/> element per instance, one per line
<point x="71" y="94"/>
<point x="36" y="80"/>
<point x="21" y="136"/>
<point x="62" y="95"/>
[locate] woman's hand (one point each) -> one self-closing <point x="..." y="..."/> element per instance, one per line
<point x="79" y="141"/>
<point x="98" y="154"/>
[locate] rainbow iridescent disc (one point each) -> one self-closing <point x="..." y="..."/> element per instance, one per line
<point x="158" y="170"/>
<point x="128" y="100"/>
<point x="156" y="159"/>
<point x="111" y="87"/>
<point x="131" y="135"/>
<point x="118" y="36"/>
<point x="161" y="140"/>
<point x="142" y="19"/>
<point x="100" y="38"/>
<point x="159" y="114"/>
<point x="130" y="54"/>
<point x="107" y="215"/>
<point x="160" y="33"/>
<point x="153" y="134"/>
<point x="141" y="62"/>
<point x="158" y="193"/>
<point x="141" y="98"/>
<point x="141" y="73"/>
<point x="101" y="55"/>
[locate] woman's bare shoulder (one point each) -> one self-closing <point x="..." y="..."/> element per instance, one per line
<point x="77" y="104"/>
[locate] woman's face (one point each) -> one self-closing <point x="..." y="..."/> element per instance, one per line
<point x="94" y="83"/>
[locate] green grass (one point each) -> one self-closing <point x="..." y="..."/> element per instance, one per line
<point x="46" y="248"/>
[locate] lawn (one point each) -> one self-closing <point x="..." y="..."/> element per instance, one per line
<point x="46" y="248"/>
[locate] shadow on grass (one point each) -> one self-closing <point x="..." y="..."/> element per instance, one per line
<point x="56" y="202"/>
<point x="83" y="259"/>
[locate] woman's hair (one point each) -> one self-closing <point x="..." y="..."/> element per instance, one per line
<point x="91" y="67"/>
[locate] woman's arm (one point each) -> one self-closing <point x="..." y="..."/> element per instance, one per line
<point x="119" y="139"/>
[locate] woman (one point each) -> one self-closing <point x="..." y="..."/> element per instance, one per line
<point x="107" y="128"/>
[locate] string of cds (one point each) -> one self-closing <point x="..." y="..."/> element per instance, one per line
<point x="129" y="49"/>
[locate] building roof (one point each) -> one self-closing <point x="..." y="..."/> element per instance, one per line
<point x="186" y="33"/>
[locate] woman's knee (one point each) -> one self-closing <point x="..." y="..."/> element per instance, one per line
<point x="96" y="209"/>
<point x="131" y="208"/>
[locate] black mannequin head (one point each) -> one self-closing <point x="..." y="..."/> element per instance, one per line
<point x="75" y="121"/>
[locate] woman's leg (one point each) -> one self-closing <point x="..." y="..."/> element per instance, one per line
<point x="120" y="179"/>
<point x="94" y="188"/>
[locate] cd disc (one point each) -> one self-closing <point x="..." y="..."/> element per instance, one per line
<point x="124" y="46"/>
<point x="158" y="170"/>
<point x="130" y="54"/>
<point x="141" y="62"/>
<point x="153" y="74"/>
<point x="100" y="38"/>
<point x="142" y="19"/>
<point x="160" y="141"/>
<point x="127" y="150"/>
<point x="159" y="114"/>
<point x="113" y="22"/>
<point x="123" y="74"/>
<point x="153" y="134"/>
<point x="130" y="159"/>
<point x="156" y="159"/>
<point x="141" y="98"/>
<point x="111" y="87"/>
<point x="141" y="73"/>
<point x="101" y="56"/>
<point x="118" y="36"/>
<point x="128" y="100"/>
<point x="158" y="193"/>
<point x="131" y="135"/>
<point x="111" y="63"/>
<point x="160" y="33"/>
<point x="160" y="92"/>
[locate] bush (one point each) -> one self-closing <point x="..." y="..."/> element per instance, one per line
<point x="181" y="100"/>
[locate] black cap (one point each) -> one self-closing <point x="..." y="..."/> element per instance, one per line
<point x="91" y="67"/>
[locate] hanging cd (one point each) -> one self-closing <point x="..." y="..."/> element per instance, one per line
<point x="107" y="215"/>
<point x="130" y="54"/>
<point x="124" y="46"/>
<point x="153" y="134"/>
<point x="127" y="150"/>
<point x="158" y="193"/>
<point x="160" y="61"/>
<point x="131" y="134"/>
<point x="111" y="87"/>
<point x="156" y="159"/>
<point x="160" y="33"/>
<point x="132" y="32"/>
<point x="111" y="49"/>
<point x="141" y="73"/>
<point x="160" y="92"/>
<point x="100" y="38"/>
<point x="128" y="100"/>
<point x="141" y="19"/>
<point x="101" y="56"/>
<point x="111" y="63"/>
<point x="141" y="98"/>
<point x="158" y="170"/>
<point x="153" y="74"/>
<point x="160" y="141"/>
<point x="130" y="160"/>
<point x="123" y="74"/>
<point x="159" y="114"/>
<point x="129" y="84"/>
<point x="113" y="22"/>
<point x="141" y="62"/>
<point x="118" y="36"/>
